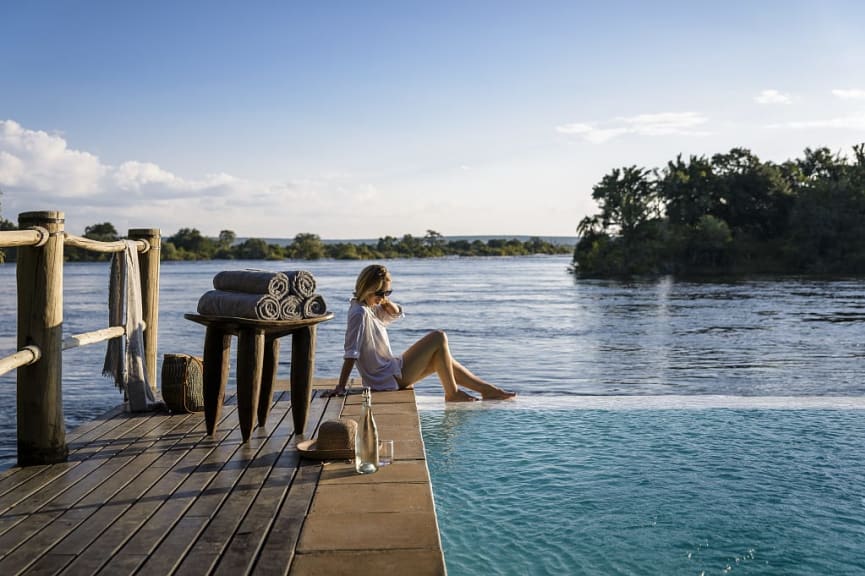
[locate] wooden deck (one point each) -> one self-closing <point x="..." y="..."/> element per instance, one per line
<point x="153" y="494"/>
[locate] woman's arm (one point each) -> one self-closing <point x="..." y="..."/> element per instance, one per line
<point x="347" y="366"/>
<point x="388" y="311"/>
<point x="391" y="308"/>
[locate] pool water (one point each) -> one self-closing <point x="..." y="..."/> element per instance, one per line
<point x="629" y="490"/>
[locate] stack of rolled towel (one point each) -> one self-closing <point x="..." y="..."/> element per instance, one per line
<point x="263" y="295"/>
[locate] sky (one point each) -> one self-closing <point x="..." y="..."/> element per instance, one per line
<point x="366" y="119"/>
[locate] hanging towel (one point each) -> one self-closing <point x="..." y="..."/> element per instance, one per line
<point x="124" y="356"/>
<point x="253" y="282"/>
<point x="301" y="283"/>
<point x="239" y="305"/>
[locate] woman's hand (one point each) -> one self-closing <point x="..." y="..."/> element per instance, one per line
<point x="338" y="391"/>
<point x="389" y="306"/>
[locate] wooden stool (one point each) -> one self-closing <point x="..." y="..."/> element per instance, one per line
<point x="257" y="362"/>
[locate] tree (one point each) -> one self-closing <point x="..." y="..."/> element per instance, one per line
<point x="627" y="200"/>
<point x="226" y="238"/>
<point x="434" y="239"/>
<point x="193" y="243"/>
<point x="755" y="198"/>
<point x="689" y="190"/>
<point x="253" y="249"/>
<point x="104" y="232"/>
<point x="307" y="247"/>
<point x="387" y="246"/>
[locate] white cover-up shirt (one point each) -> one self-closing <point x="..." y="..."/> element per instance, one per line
<point x="366" y="341"/>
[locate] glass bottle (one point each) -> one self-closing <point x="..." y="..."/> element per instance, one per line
<point x="366" y="439"/>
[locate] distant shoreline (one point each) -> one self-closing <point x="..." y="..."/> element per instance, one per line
<point x="557" y="240"/>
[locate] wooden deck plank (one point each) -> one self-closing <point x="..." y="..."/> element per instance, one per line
<point x="78" y="453"/>
<point x="263" y="523"/>
<point x="83" y="520"/>
<point x="242" y="550"/>
<point x="106" y="548"/>
<point x="106" y="420"/>
<point x="76" y="542"/>
<point x="14" y="477"/>
<point x="225" y="525"/>
<point x="153" y="494"/>
<point x="166" y="552"/>
<point x="56" y="518"/>
<point x="61" y="489"/>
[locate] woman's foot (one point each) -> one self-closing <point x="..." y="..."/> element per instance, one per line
<point x="498" y="394"/>
<point x="460" y="396"/>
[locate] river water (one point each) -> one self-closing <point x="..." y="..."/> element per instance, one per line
<point x="764" y="361"/>
<point x="526" y="324"/>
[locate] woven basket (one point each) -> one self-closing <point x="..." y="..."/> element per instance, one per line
<point x="183" y="383"/>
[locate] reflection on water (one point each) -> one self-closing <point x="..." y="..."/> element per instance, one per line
<point x="523" y="323"/>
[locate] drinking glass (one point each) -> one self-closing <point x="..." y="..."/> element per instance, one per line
<point x="385" y="452"/>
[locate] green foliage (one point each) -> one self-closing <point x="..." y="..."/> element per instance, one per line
<point x="191" y="245"/>
<point x="103" y="232"/>
<point x="306" y="246"/>
<point x="729" y="214"/>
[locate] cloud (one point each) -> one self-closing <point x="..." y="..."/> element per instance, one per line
<point x="661" y="124"/>
<point x="849" y="94"/>
<point x="41" y="162"/>
<point x="772" y="97"/>
<point x="39" y="171"/>
<point x="853" y="122"/>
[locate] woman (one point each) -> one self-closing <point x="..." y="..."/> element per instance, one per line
<point x="368" y="347"/>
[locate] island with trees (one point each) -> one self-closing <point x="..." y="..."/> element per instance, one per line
<point x="190" y="244"/>
<point x="728" y="214"/>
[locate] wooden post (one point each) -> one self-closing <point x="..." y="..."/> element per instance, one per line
<point x="149" y="265"/>
<point x="41" y="428"/>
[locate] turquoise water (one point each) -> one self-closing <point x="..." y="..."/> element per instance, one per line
<point x="649" y="491"/>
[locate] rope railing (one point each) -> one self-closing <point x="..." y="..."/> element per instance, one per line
<point x="24" y="357"/>
<point x="104" y="247"/>
<point x="37" y="236"/>
<point x="40" y="240"/>
<point x="30" y="354"/>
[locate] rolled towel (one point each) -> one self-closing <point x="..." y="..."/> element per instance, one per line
<point x="253" y="282"/>
<point x="239" y="305"/>
<point x="314" y="306"/>
<point x="291" y="308"/>
<point x="301" y="283"/>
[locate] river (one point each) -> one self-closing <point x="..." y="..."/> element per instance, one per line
<point x="523" y="323"/>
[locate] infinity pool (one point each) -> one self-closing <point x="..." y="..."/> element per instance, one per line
<point x="774" y="488"/>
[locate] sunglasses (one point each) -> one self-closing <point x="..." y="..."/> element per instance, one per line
<point x="383" y="293"/>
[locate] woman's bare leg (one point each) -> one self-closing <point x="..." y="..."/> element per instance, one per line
<point x="432" y="354"/>
<point x="428" y="355"/>
<point x="465" y="378"/>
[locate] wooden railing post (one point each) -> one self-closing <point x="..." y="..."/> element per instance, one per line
<point x="149" y="264"/>
<point x="41" y="428"/>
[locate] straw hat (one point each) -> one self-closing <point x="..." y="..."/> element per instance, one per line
<point x="335" y="441"/>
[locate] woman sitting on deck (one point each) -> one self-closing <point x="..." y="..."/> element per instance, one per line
<point x="368" y="346"/>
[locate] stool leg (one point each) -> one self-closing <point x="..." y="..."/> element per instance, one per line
<point x="268" y="378"/>
<point x="217" y="345"/>
<point x="250" y="356"/>
<point x="302" y="369"/>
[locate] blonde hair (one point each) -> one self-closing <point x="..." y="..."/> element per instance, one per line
<point x="370" y="280"/>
